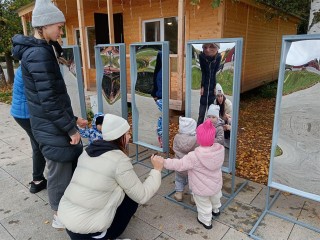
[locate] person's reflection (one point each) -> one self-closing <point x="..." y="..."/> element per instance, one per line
<point x="225" y="112"/>
<point x="210" y="60"/>
<point x="157" y="93"/>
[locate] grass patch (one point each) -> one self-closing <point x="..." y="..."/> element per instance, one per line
<point x="298" y="80"/>
<point x="196" y="78"/>
<point x="225" y="78"/>
<point x="6" y="94"/>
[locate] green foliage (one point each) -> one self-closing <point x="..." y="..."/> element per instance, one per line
<point x="277" y="8"/>
<point x="10" y="22"/>
<point x="278" y="151"/>
<point x="90" y="115"/>
<point x="6" y="95"/>
<point x="215" y="3"/>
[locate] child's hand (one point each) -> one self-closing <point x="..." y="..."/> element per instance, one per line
<point x="81" y="122"/>
<point x="157" y="162"/>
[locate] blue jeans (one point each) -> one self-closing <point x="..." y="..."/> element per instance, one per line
<point x="39" y="163"/>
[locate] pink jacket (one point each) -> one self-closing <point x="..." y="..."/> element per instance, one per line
<point x="204" y="169"/>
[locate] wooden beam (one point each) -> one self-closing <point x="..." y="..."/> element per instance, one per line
<point x="181" y="43"/>
<point x="24" y="25"/>
<point x="84" y="44"/>
<point x="110" y="21"/>
<point x="26" y="9"/>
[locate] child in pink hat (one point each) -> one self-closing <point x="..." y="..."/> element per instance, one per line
<point x="204" y="172"/>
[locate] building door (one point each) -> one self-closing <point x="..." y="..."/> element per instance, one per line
<point x="102" y="28"/>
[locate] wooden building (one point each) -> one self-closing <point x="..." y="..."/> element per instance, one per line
<point x="88" y="22"/>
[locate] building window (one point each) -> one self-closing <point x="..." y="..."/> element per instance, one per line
<point x="164" y="29"/>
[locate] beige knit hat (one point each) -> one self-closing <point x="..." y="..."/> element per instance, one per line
<point x="219" y="89"/>
<point x="46" y="13"/>
<point x="113" y="127"/>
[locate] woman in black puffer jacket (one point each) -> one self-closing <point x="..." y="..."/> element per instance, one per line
<point x="209" y="60"/>
<point x="53" y="123"/>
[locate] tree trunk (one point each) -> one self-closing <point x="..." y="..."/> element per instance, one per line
<point x="10" y="70"/>
<point x="314" y="19"/>
<point x="2" y="78"/>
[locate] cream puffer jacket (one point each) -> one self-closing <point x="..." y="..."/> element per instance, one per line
<point x="98" y="187"/>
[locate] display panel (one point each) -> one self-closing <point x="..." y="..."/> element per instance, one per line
<point x="70" y="66"/>
<point x="295" y="155"/>
<point x="150" y="94"/>
<point x="213" y="78"/>
<point x="111" y="79"/>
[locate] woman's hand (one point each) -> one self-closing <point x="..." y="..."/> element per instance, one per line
<point x="75" y="139"/>
<point x="226" y="127"/>
<point x="157" y="162"/>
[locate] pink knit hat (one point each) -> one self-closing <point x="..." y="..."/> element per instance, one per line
<point x="206" y="133"/>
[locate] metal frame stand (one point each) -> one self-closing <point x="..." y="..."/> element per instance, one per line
<point x="229" y="197"/>
<point x="164" y="173"/>
<point x="268" y="211"/>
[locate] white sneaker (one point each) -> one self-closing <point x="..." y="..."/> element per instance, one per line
<point x="56" y="222"/>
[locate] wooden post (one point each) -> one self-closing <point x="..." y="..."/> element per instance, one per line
<point x="24" y="25"/>
<point x="110" y="21"/>
<point x="181" y="47"/>
<point x="83" y="40"/>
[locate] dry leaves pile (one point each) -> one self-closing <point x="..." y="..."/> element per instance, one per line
<point x="254" y="138"/>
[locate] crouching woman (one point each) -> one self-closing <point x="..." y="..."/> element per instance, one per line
<point x="105" y="191"/>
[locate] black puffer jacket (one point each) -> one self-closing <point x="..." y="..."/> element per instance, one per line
<point x="209" y="68"/>
<point x="51" y="114"/>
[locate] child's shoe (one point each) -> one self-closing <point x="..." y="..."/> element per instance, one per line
<point x="216" y="212"/>
<point x="178" y="196"/>
<point x="205" y="226"/>
<point x="192" y="200"/>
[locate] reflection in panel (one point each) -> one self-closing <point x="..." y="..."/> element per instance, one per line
<point x="295" y="160"/>
<point x="70" y="66"/>
<point x="150" y="94"/>
<point x="111" y="80"/>
<point x="227" y="65"/>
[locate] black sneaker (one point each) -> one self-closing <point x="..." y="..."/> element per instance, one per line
<point x="205" y="226"/>
<point x="34" y="188"/>
<point x="216" y="214"/>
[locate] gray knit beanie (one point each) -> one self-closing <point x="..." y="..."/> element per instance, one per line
<point x="46" y="13"/>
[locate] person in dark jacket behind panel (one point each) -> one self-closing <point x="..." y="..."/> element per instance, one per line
<point x="19" y="111"/>
<point x="51" y="116"/>
<point x="209" y="60"/>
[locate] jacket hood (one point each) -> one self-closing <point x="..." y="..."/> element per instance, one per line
<point x="220" y="122"/>
<point x="21" y="43"/>
<point x="183" y="144"/>
<point x="210" y="156"/>
<point x="93" y="123"/>
<point x="100" y="147"/>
